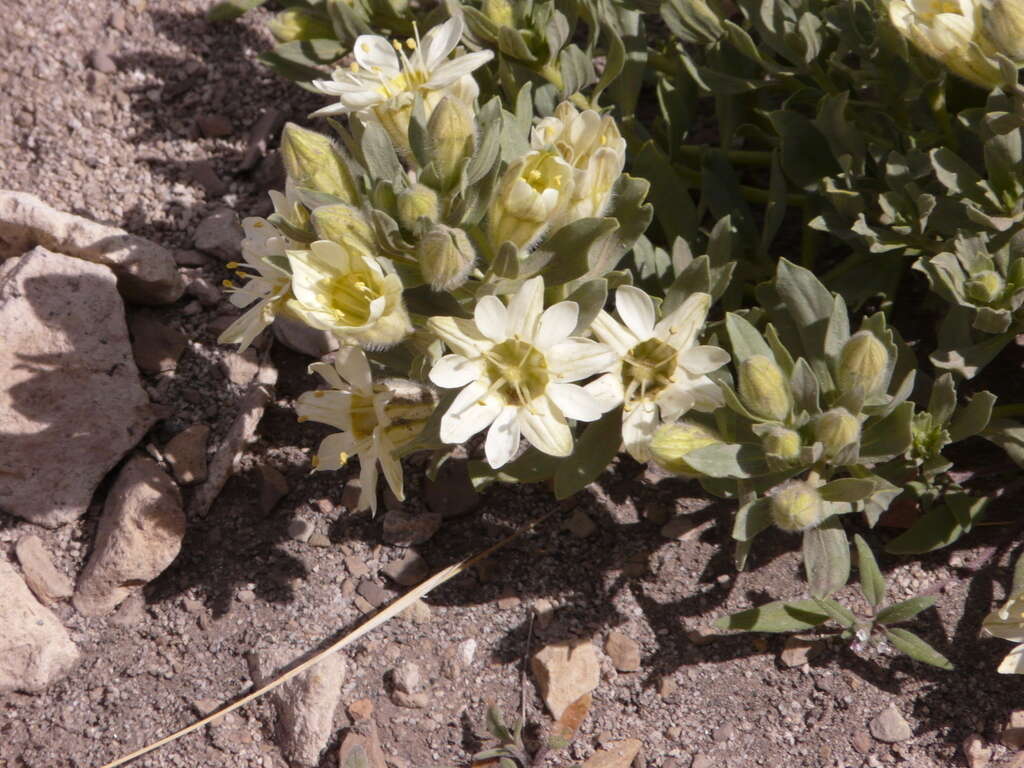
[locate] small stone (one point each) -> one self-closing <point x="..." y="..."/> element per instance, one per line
<point x="701" y="761"/>
<point x="209" y="295"/>
<point x="301" y="338"/>
<point x="186" y="453"/>
<point x="241" y="367"/>
<point x="680" y="528"/>
<point x="131" y="612"/>
<point x="623" y="650"/>
<point x="620" y="755"/>
<point x="139" y="535"/>
<point x="220" y="235"/>
<point x="508" y="601"/>
<point x="356" y="567"/>
<point x="190" y="258"/>
<point x="466" y="651"/>
<point x="364" y="605"/>
<point x="325" y="506"/>
<point x="406" y="677"/>
<point x="797" y="651"/>
<point x="203" y="174"/>
<point x="564" y="672"/>
<point x="976" y="751"/>
<point x="861" y="741"/>
<point x="35" y="648"/>
<point x="117" y="19"/>
<point x="890" y="727"/>
<point x="451" y="494"/>
<point x="260" y="134"/>
<point x="372" y="592"/>
<point x="101" y="61"/>
<point x="361" y="709"/>
<point x="42" y="577"/>
<point x="673" y="732"/>
<point x="544" y="612"/>
<point x="369" y="742"/>
<point x="409" y="571"/>
<point x="350" y="494"/>
<point x="418" y="700"/>
<point x="214" y="126"/>
<point x="319" y="540"/>
<point x="273" y="487"/>
<point x="246" y="596"/>
<point x="701" y="635"/>
<point x="580" y="525"/>
<point x="407" y="530"/>
<point x="156" y="347"/>
<point x="348" y="588"/>
<point x="724" y="733"/>
<point x="1013" y="733"/>
<point x="667" y="687"/>
<point x="300" y="529"/>
<point x="418" y="612"/>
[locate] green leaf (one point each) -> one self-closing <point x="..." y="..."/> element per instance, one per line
<point x="839" y="613"/>
<point x="779" y="616"/>
<point x="231" y="9"/>
<point x="908" y="609"/>
<point x="590" y="297"/>
<point x="751" y="519"/>
<point x="916" y="648"/>
<point x="972" y="418"/>
<point x="942" y="402"/>
<point x="826" y="557"/>
<point x="872" y="583"/>
<point x="379" y="153"/>
<point x="567" y="251"/>
<point x="594" y="451"/>
<point x="806" y="154"/>
<point x="889" y="437"/>
<point x="730" y="460"/>
<point x="496" y="725"/>
<point x="850" y="489"/>
<point x="745" y="339"/>
<point x="943" y="524"/>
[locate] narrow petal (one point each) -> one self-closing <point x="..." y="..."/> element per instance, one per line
<point x="327" y="406"/>
<point x="491" y="317"/>
<point x="375" y="53"/>
<point x="577" y="359"/>
<point x="575" y="402"/>
<point x="449" y="71"/>
<point x="638" y="427"/>
<point x="636" y="310"/>
<point x="607" y="390"/>
<point x="468" y="414"/>
<point x="441" y="41"/>
<point x="613" y="333"/>
<point x="680" y="327"/>
<point x="675" y="400"/>
<point x="545" y="428"/>
<point x="353" y="366"/>
<point x="392" y="466"/>
<point x="328" y="373"/>
<point x="453" y="371"/>
<point x="1013" y="663"/>
<point x="334" y="451"/>
<point x="703" y="359"/>
<point x="557" y="323"/>
<point x="368" y="482"/>
<point x="503" y="437"/>
<point x="247" y="327"/>
<point x="461" y="335"/>
<point x="524" y="309"/>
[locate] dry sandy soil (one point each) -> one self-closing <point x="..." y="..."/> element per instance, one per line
<point x="121" y="146"/>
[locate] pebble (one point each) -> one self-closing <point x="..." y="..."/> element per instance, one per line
<point x="1013" y="733"/>
<point x="209" y="295"/>
<point x="564" y="672"/>
<point x="156" y="346"/>
<point x="407" y="530"/>
<point x="300" y="529"/>
<point x="214" y="126"/>
<point x="890" y="726"/>
<point x="701" y="635"/>
<point x="466" y="651"/>
<point x="101" y="61"/>
<point x="724" y="733"/>
<point x="260" y="134"/>
<point x="319" y="540"/>
<point x="350" y="494"/>
<point x="408" y="571"/>
<point x="42" y="577"/>
<point x="202" y="173"/>
<point x="241" y="367"/>
<point x="355" y="566"/>
<point x="301" y="338"/>
<point x="418" y="612"/>
<point x="246" y="596"/>
<point x="679" y="528"/>
<point x="797" y="651"/>
<point x="623" y="651"/>
<point x="621" y="755"/>
<point x="273" y="487"/>
<point x="451" y="494"/>
<point x="373" y="593"/>
<point x="508" y="601"/>
<point x="220" y="235"/>
<point x="361" y="709"/>
<point x="701" y="761"/>
<point x="977" y="753"/>
<point x="363" y="605"/>
<point x="580" y="525"/>
<point x="861" y="741"/>
<point x="407" y="677"/>
<point x="186" y="454"/>
<point x="188" y="258"/>
<point x="667" y="687"/>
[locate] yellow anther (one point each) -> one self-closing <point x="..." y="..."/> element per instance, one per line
<point x="354" y="66"/>
<point x="233" y="265"/>
<point x="227" y="284"/>
<point x="315" y="461"/>
<point x="410" y="44"/>
<point x="242" y="274"/>
<point x="397" y="45"/>
<point x="318" y="393"/>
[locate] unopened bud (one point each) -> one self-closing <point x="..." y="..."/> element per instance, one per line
<point x="417" y="203"/>
<point x="299" y="24"/>
<point x="407" y="411"/>
<point x="863" y="364"/>
<point x="835" y="430"/>
<point x="345" y="225"/>
<point x="763" y="388"/>
<point x="672" y="442"/>
<point x="796" y="507"/>
<point x="311" y="160"/>
<point x="446" y="256"/>
<point x="1003" y="22"/>
<point x="499" y="12"/>
<point x="452" y="131"/>
<point x="985" y="287"/>
<point x="1015" y="274"/>
<point x="781" y="446"/>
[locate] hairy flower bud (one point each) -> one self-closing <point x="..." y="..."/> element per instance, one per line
<point x="835" y="430"/>
<point x="985" y="287"/>
<point x="299" y="24"/>
<point x="532" y="193"/>
<point x="344" y="224"/>
<point x="407" y="411"/>
<point x="311" y="160"/>
<point x="417" y="203"/>
<point x="499" y="12"/>
<point x="763" y="388"/>
<point x="1003" y="22"/>
<point x="672" y="442"/>
<point x="452" y="132"/>
<point x="863" y="364"/>
<point x="1015" y="274"/>
<point x="796" y="507"/>
<point x="781" y="447"/>
<point x="445" y="255"/>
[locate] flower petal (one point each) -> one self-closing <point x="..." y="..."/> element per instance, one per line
<point x="334" y="451"/>
<point x="328" y="373"/>
<point x="524" y="309"/>
<point x="389" y="463"/>
<point x="675" y="400"/>
<point x="638" y="427"/>
<point x="680" y="327"/>
<point x="461" y="335"/>
<point x="375" y="53"/>
<point x="575" y="402"/>
<point x="327" y="406"/>
<point x="703" y="359"/>
<point x="607" y="390"/>
<point x="503" y="437"/>
<point x="353" y="366"/>
<point x="577" y="359"/>
<point x="368" y="482"/>
<point x="613" y="333"/>
<point x="545" y="428"/>
<point x="448" y="72"/>
<point x="468" y="414"/>
<point x="557" y="323"/>
<point x="491" y="317"/>
<point x="1013" y="663"/>
<point x="453" y="371"/>
<point x="636" y="310"/>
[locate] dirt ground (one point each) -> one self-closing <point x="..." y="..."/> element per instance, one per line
<point x="122" y="146"/>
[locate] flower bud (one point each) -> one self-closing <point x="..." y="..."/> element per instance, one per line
<point x="781" y="446"/>
<point x="985" y="287"/>
<point x="417" y="203"/>
<point x="499" y="12"/>
<point x="835" y="430"/>
<point x="452" y="132"/>
<point x="445" y="255"/>
<point x="796" y="507"/>
<point x="299" y="24"/>
<point x="533" y="192"/>
<point x="763" y="388"/>
<point x="407" y="412"/>
<point x="1015" y="274"/>
<point x="311" y="160"/>
<point x="344" y="224"/>
<point x="671" y="443"/>
<point x="1003" y="22"/>
<point x="863" y="364"/>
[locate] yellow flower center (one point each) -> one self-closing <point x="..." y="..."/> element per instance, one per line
<point x="364" y="417"/>
<point x="649" y="367"/>
<point x="407" y="80"/>
<point x="349" y="297"/>
<point x="518" y="370"/>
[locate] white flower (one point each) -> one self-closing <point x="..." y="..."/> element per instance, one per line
<point x="346" y="292"/>
<point x="1008" y="623"/>
<point x="661" y="367"/>
<point x="595" y="149"/>
<point x="363" y="411"/>
<point x="515" y="365"/>
<point x="268" y="282"/>
<point x="383" y="81"/>
<point x="948" y="30"/>
<point x="533" y="192"/>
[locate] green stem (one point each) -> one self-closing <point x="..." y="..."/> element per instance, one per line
<point x="937" y="102"/>
<point x="1008" y="411"/>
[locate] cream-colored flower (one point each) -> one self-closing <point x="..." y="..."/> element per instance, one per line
<point x="1008" y="624"/>
<point x="1003" y="22"/>
<point x="383" y="81"/>
<point x="515" y="365"/>
<point x="375" y="420"/>
<point x="595" y="149"/>
<point x="534" y="192"/>
<point x="661" y="367"/>
<point x="949" y="31"/>
<point x="346" y="292"/>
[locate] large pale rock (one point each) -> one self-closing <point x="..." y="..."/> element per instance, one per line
<point x="146" y="272"/>
<point x="566" y="671"/>
<point x="139" y="534"/>
<point x="35" y="649"/>
<point x="71" y="404"/>
<point x="305" y="705"/>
